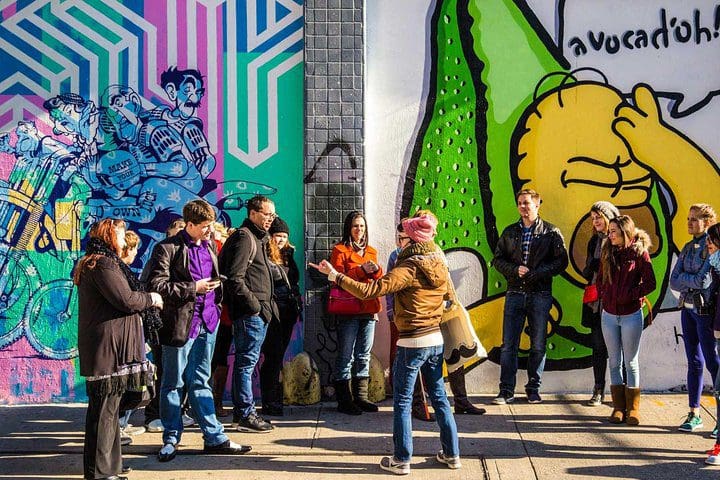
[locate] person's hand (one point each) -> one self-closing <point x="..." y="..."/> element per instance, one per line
<point x="324" y="267"/>
<point x="522" y="270"/>
<point x="157" y="300"/>
<point x="205" y="285"/>
<point x="370" y="267"/>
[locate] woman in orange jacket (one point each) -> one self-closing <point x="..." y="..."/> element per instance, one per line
<point x="353" y="257"/>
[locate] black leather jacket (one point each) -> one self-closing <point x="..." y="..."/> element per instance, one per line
<point x="168" y="273"/>
<point x="548" y="257"/>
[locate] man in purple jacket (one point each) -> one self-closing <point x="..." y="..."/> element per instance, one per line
<point x="183" y="270"/>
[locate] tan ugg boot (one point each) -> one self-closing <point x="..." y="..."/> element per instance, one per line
<point x="632" y="402"/>
<point x="618" y="399"/>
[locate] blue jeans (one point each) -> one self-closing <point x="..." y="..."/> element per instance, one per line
<point x="249" y="335"/>
<point x="409" y="362"/>
<point x="717" y="391"/>
<point x="189" y="365"/>
<point x="699" y="340"/>
<point x="622" y="337"/>
<point x="355" y="340"/>
<point x="535" y="306"/>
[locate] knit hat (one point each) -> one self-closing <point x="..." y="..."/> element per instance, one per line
<point x="420" y="229"/>
<point x="606" y="208"/>
<point x="279" y="226"/>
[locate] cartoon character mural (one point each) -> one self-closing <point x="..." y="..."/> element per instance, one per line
<point x="505" y="110"/>
<point x="124" y="134"/>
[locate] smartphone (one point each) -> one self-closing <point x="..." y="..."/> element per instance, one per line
<point x="219" y="278"/>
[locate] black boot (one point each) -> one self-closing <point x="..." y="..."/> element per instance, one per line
<point x="344" y="398"/>
<point x="360" y="394"/>
<point x="457" y="385"/>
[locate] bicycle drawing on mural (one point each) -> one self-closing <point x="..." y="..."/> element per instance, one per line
<point x="127" y="158"/>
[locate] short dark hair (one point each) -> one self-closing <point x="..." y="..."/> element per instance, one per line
<point x="529" y="191"/>
<point x="256" y="203"/>
<point x="198" y="211"/>
<point x="714" y="234"/>
<point x="347" y="226"/>
<point x="178" y="77"/>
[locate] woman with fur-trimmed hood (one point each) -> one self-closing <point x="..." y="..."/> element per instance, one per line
<point x="626" y="276"/>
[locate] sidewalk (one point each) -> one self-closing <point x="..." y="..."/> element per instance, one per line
<point x="558" y="439"/>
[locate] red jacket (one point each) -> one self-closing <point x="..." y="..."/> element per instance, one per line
<point x="631" y="281"/>
<point x="346" y="260"/>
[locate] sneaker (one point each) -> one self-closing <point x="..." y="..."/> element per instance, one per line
<point x="691" y="423"/>
<point x="393" y="466"/>
<point x="503" y="398"/>
<point x="167" y="452"/>
<point x="154" y="426"/>
<point x="597" y="398"/>
<point x="131" y="430"/>
<point x="451" y="462"/>
<point x="533" y="397"/>
<point x="253" y="424"/>
<point x="187" y="420"/>
<point x="713" y="434"/>
<point x="125" y="440"/>
<point x="714" y="456"/>
<point x="228" y="447"/>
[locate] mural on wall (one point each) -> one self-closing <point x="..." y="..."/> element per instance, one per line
<point x="111" y="109"/>
<point x="507" y="108"/>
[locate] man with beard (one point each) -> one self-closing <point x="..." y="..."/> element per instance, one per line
<point x="249" y="286"/>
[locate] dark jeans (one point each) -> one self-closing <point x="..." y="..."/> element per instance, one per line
<point x="276" y="342"/>
<point x="535" y="307"/>
<point x="222" y="346"/>
<point x="600" y="353"/>
<point x="101" y="454"/>
<point x="700" y="350"/>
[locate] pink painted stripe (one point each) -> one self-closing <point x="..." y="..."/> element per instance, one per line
<point x="219" y="173"/>
<point x="182" y="43"/>
<point x="158" y="17"/>
<point x="9" y="11"/>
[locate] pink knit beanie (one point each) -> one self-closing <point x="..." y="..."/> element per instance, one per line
<point x="420" y="229"/>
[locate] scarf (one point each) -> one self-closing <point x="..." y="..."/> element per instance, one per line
<point x="150" y="316"/>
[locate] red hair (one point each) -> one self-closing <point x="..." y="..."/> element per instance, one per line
<point x="104" y="230"/>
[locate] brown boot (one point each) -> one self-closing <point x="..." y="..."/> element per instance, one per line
<point x="632" y="402"/>
<point x="618" y="399"/>
<point x="219" y="378"/>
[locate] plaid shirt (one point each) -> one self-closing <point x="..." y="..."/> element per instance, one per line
<point x="526" y="241"/>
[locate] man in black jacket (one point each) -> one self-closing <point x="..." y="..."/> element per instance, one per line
<point x="249" y="288"/>
<point x="528" y="254"/>
<point x="183" y="270"/>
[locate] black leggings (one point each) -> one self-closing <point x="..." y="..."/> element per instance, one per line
<point x="276" y="342"/>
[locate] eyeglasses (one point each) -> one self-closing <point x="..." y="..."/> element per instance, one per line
<point x="271" y="216"/>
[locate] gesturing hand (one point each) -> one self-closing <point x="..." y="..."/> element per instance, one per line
<point x="323" y="267"/>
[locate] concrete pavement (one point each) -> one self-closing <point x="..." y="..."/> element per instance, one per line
<point x="558" y="439"/>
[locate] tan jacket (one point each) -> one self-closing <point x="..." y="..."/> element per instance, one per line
<point x="419" y="281"/>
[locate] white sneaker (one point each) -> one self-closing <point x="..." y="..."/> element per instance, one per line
<point x="451" y="462"/>
<point x="187" y="420"/>
<point x="393" y="466"/>
<point x="714" y="458"/>
<point x="132" y="430"/>
<point x="155" y="426"/>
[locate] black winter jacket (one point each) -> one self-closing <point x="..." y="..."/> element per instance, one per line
<point x="168" y="273"/>
<point x="548" y="257"/>
<point x="249" y="284"/>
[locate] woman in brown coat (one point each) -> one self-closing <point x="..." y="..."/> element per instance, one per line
<point x="110" y="342"/>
